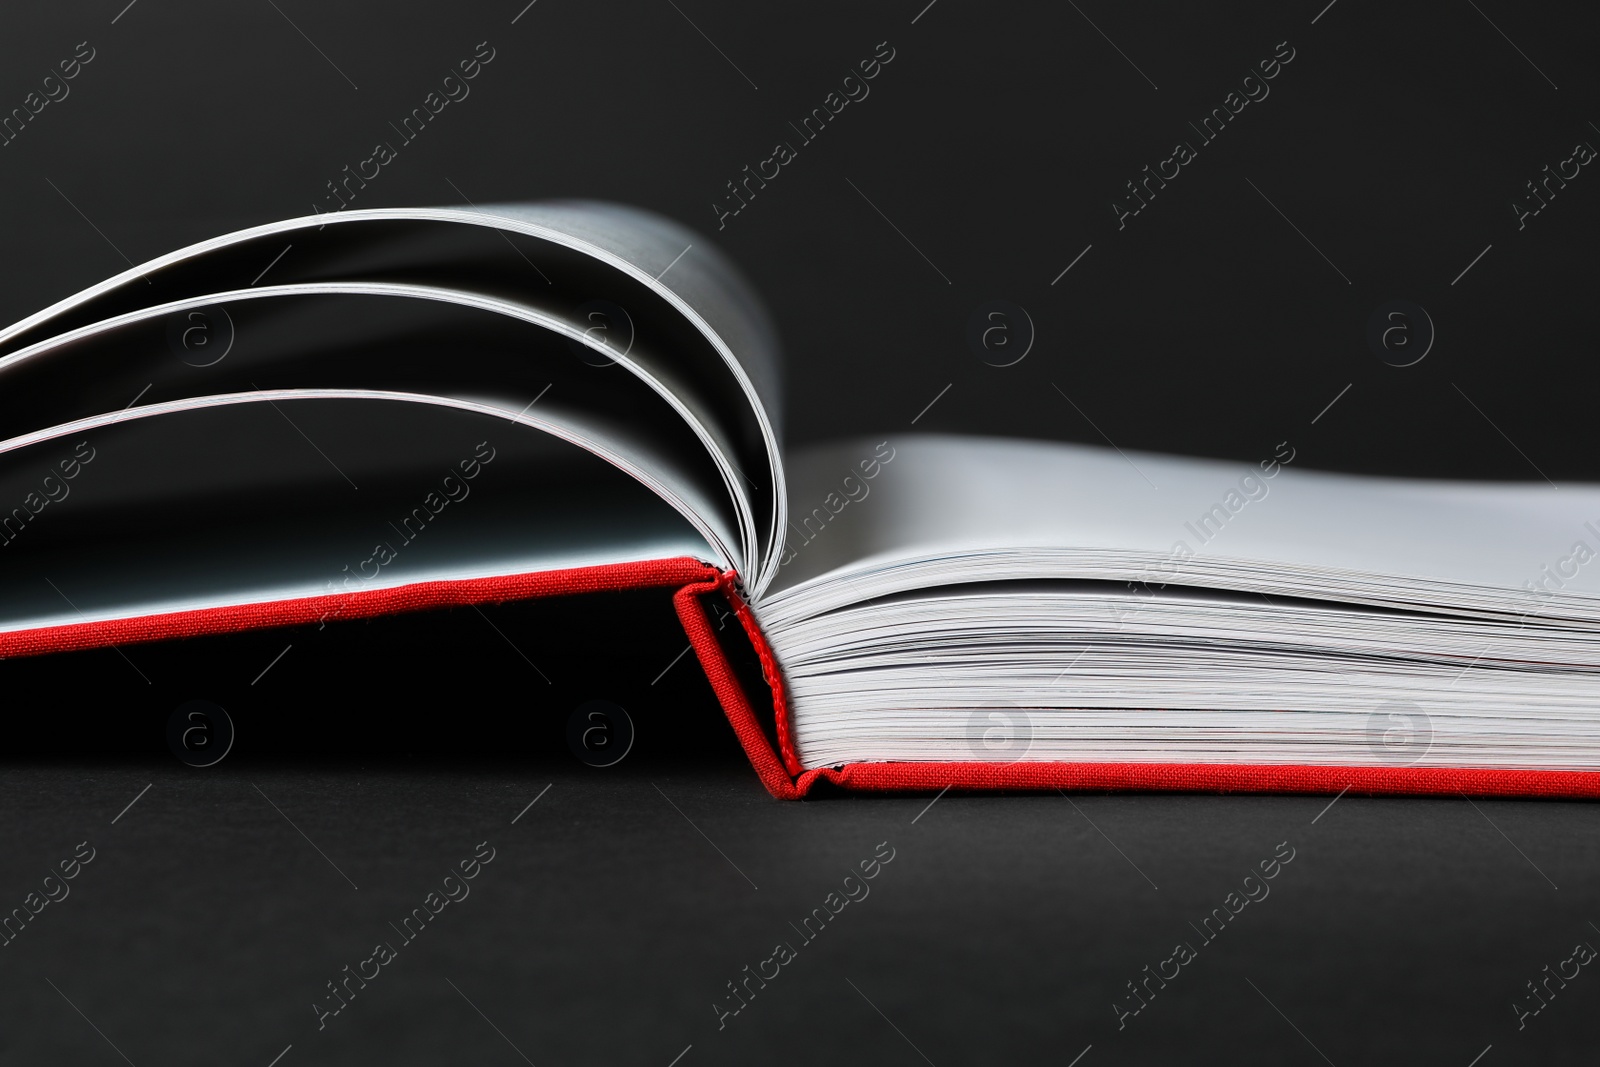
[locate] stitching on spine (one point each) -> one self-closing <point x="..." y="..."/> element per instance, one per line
<point x="770" y="670"/>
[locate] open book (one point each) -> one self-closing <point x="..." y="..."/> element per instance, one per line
<point x="390" y="410"/>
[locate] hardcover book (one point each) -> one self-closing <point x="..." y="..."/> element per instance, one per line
<point x="929" y="611"/>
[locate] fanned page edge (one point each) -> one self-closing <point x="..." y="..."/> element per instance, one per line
<point x="777" y="766"/>
<point x="552" y="221"/>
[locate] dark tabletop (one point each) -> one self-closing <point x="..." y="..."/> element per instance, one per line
<point x="617" y="907"/>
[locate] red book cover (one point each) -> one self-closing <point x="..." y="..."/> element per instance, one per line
<point x="760" y="719"/>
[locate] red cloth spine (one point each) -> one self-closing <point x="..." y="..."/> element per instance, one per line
<point x="779" y="768"/>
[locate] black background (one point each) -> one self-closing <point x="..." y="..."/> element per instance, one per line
<point x="1222" y="319"/>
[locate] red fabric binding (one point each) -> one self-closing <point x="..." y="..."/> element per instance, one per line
<point x="770" y="670"/>
<point x="714" y="661"/>
<point x="1204" y="778"/>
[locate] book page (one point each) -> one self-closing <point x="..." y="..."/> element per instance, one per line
<point x="235" y="504"/>
<point x="871" y="517"/>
